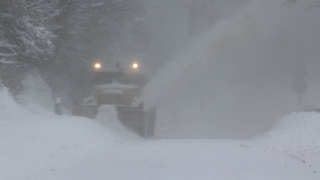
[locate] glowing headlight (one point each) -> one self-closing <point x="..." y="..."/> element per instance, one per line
<point x="135" y="66"/>
<point x="97" y="66"/>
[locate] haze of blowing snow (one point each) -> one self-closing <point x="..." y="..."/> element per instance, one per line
<point x="232" y="82"/>
<point x="237" y="77"/>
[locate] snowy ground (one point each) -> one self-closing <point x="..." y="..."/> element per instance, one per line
<point x="192" y="159"/>
<point x="46" y="146"/>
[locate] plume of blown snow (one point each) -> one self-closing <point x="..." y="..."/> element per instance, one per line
<point x="237" y="76"/>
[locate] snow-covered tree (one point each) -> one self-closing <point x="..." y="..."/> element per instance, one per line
<point x="26" y="40"/>
<point x="62" y="38"/>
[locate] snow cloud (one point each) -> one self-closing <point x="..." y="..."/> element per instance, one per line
<point x="235" y="80"/>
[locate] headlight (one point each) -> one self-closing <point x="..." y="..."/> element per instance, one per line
<point x="97" y="66"/>
<point x="135" y="66"/>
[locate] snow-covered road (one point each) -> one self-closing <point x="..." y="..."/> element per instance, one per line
<point x="46" y="146"/>
<point x="192" y="159"/>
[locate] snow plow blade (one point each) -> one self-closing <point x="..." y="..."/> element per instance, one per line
<point x="133" y="118"/>
<point x="88" y="111"/>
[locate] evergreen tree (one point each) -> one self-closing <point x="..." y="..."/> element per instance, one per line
<point x="26" y="39"/>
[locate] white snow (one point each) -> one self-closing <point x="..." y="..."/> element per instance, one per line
<point x="97" y="4"/>
<point x="241" y="69"/>
<point x="108" y="115"/>
<point x="2" y="60"/>
<point x="47" y="146"/>
<point x="36" y="144"/>
<point x="296" y="135"/>
<point x="116" y="85"/>
<point x="7" y="55"/>
<point x="113" y="91"/>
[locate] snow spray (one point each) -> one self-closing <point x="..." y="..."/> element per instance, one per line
<point x="241" y="68"/>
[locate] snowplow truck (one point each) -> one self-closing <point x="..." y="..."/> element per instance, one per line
<point x="120" y="88"/>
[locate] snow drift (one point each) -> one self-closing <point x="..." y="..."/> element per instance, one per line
<point x="43" y="146"/>
<point x="296" y="135"/>
<point x="36" y="144"/>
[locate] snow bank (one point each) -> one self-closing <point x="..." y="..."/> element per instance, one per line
<point x="108" y="115"/>
<point x="7" y="104"/>
<point x="38" y="146"/>
<point x="46" y="143"/>
<point x="296" y="135"/>
<point x="37" y="95"/>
